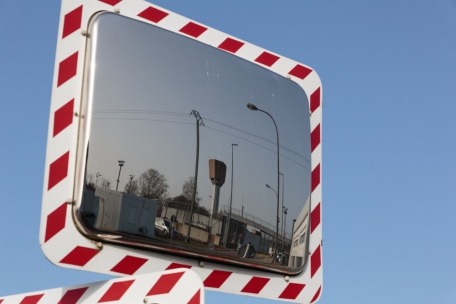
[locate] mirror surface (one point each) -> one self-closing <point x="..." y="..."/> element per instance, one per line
<point x="161" y="108"/>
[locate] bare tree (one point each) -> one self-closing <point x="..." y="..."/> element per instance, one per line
<point x="105" y="183"/>
<point x="89" y="180"/>
<point x="152" y="185"/>
<point x="132" y="187"/>
<point x="181" y="199"/>
<point x="187" y="191"/>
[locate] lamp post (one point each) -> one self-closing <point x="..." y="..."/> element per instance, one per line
<point x="254" y="108"/>
<point x="231" y="197"/>
<point x="283" y="190"/>
<point x="96" y="180"/>
<point x="121" y="163"/>
<point x="277" y="231"/>
<point x="131" y="179"/>
<point x="285" y="210"/>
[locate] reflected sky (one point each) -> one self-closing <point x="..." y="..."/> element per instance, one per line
<point x="144" y="82"/>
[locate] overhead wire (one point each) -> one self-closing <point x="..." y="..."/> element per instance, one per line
<point x="180" y="114"/>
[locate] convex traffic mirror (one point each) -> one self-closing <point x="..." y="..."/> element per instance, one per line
<point x="189" y="149"/>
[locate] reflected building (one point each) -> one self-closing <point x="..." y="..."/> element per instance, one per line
<point x="115" y="211"/>
<point x="300" y="243"/>
<point x="244" y="229"/>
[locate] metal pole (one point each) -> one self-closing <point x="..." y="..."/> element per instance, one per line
<point x="278" y="183"/>
<point x="190" y="218"/>
<point x="96" y="181"/>
<point x="121" y="163"/>
<point x="131" y="179"/>
<point x="275" y="243"/>
<point x="283" y="181"/>
<point x="254" y="108"/>
<point x="285" y="225"/>
<point x="231" y="197"/>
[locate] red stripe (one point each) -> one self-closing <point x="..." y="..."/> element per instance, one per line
<point x="58" y="170"/>
<point x="63" y="117"/>
<point x="111" y="2"/>
<point x="292" y="291"/>
<point x="79" y="256"/>
<point x="315" y="177"/>
<point x="177" y="265"/>
<point x="315" y="217"/>
<point x="315" y="138"/>
<point x="231" y="45"/>
<point x="255" y="285"/>
<point x="315" y="100"/>
<point x="116" y="291"/>
<point x="32" y="299"/>
<point x="267" y="59"/>
<point x="196" y="299"/>
<point x="72" y="296"/>
<point x="317" y="294"/>
<point x="72" y="22"/>
<point x="193" y="29"/>
<point x="300" y="71"/>
<point x="55" y="222"/>
<point x="216" y="278"/>
<point x="67" y="69"/>
<point x="153" y="14"/>
<point x="315" y="261"/>
<point x="165" y="283"/>
<point x="129" y="265"/>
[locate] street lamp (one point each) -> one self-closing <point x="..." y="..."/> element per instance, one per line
<point x="277" y="230"/>
<point x="283" y="191"/>
<point x="267" y="186"/>
<point x="121" y="163"/>
<point x="231" y="197"/>
<point x="254" y="108"/>
<point x="131" y="179"/>
<point x="284" y="223"/>
<point x="96" y="180"/>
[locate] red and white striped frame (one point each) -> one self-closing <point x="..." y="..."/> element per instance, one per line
<point x="171" y="286"/>
<point x="65" y="246"/>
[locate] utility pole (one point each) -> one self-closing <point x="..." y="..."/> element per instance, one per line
<point x="199" y="121"/>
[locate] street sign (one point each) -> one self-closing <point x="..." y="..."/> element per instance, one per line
<point x="171" y="286"/>
<point x="143" y="100"/>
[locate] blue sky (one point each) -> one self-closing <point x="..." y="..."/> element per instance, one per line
<point x="388" y="70"/>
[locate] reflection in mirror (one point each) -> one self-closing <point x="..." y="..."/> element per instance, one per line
<point x="194" y="149"/>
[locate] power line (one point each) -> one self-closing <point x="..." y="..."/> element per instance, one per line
<point x="208" y="119"/>
<point x="258" y="145"/>
<point x="141" y="112"/>
<point x="260" y="137"/>
<point x="161" y="120"/>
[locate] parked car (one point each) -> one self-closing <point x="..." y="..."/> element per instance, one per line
<point x="164" y="226"/>
<point x="282" y="258"/>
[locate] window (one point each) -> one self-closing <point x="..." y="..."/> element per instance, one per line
<point x="302" y="238"/>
